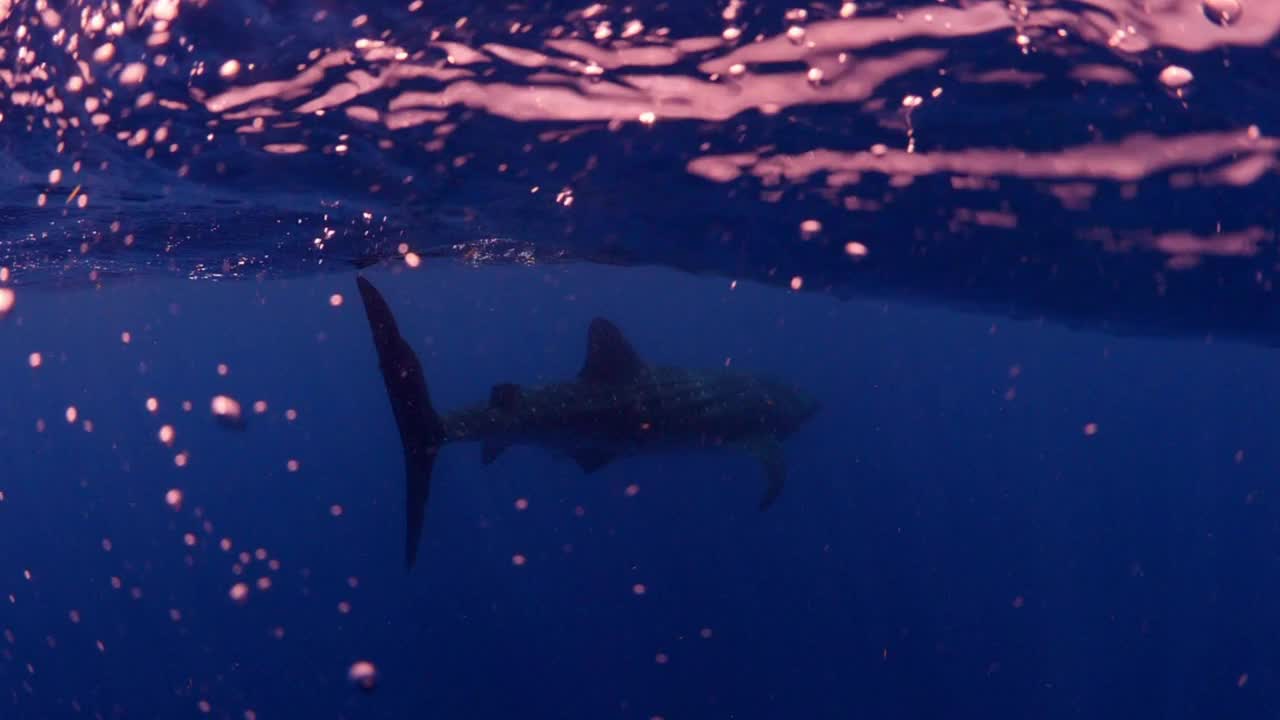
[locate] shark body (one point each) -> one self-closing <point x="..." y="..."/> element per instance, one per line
<point x="617" y="405"/>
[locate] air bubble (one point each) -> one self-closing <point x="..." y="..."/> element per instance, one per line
<point x="1223" y="12"/>
<point x="1176" y="77"/>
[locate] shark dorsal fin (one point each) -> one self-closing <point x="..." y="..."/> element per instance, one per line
<point x="504" y="396"/>
<point x="610" y="358"/>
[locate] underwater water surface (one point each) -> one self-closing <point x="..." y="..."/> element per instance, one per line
<point x="829" y="359"/>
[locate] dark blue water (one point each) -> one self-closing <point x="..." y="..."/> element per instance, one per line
<point x="1023" y="254"/>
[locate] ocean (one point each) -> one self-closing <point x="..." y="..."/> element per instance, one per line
<point x="1020" y="254"/>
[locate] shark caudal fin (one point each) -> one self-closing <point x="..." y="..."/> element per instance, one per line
<point x="421" y="430"/>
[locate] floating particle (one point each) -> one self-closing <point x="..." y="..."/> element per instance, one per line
<point x="1175" y="77"/>
<point x="186" y="406"/>
<point x="204" y="706"/>
<point x="731" y="33"/>
<point x="1223" y="12"/>
<point x="175" y="614"/>
<point x="1091" y="429"/>
<point x="344" y="607"/>
<point x="126" y="337"/>
<point x="363" y="675"/>
<point x="797" y="282"/>
<point x="173" y="498"/>
<point x="35" y="360"/>
<point x="912" y="101"/>
<point x="335" y="300"/>
<point x="1018" y="602"/>
<point x="72" y="413"/>
<point x="229" y="69"/>
<point x="7" y="299"/>
<point x="133" y="73"/>
<point x="290" y="414"/>
<point x="226" y="410"/>
<point x="166" y="434"/>
<point x="412" y="260"/>
<point x="855" y="249"/>
<point x="522" y="504"/>
<point x="104" y="53"/>
<point x="519" y="560"/>
<point x="795" y="34"/>
<point x="181" y="459"/>
<point x="264" y="583"/>
<point x="189" y="539"/>
<point x="705" y="633"/>
<point x="648" y="117"/>
<point x="639" y="589"/>
<point x="225" y="544"/>
<point x="848" y="9"/>
<point x="55" y="176"/>
<point x="292" y="465"/>
<point x="335" y="510"/>
<point x="239" y="593"/>
<point x="152" y="404"/>
<point x="1242" y="680"/>
<point x="632" y="490"/>
<point x="259" y="407"/>
<point x="223" y="369"/>
<point x="662" y="658"/>
<point x="809" y="228"/>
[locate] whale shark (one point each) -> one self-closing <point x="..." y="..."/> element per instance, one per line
<point x="618" y="405"/>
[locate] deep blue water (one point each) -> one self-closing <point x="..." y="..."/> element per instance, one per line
<point x="1024" y="261"/>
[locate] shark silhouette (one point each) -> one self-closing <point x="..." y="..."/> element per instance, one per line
<point x="618" y="405"/>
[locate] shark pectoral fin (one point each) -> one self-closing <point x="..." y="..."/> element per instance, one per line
<point x="592" y="460"/>
<point x="490" y="451"/>
<point x="769" y="452"/>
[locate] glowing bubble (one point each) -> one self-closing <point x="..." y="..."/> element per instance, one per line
<point x="239" y="593"/>
<point x="7" y="299"/>
<point x="229" y="69"/>
<point x="335" y="300"/>
<point x="226" y="410"/>
<point x="363" y="675"/>
<point x="412" y="260"/>
<point x="166" y="434"/>
<point x="1091" y="429"/>
<point x="855" y="249"/>
<point x="133" y="73"/>
<point x="1175" y="77"/>
<point x="152" y="404"/>
<point x="173" y="499"/>
<point x="519" y="560"/>
<point x="522" y="504"/>
<point x="639" y="589"/>
<point x="34" y="360"/>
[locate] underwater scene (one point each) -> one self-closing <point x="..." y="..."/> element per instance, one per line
<point x="649" y="360"/>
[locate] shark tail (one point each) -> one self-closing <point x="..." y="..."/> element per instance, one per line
<point x="422" y="432"/>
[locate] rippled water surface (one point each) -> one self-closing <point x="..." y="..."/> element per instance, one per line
<point x="1022" y="254"/>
